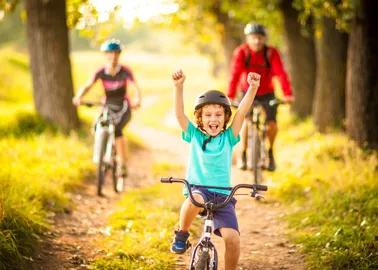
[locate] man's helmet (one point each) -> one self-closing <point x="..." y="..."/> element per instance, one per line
<point x="111" y="45"/>
<point x="211" y="97"/>
<point x="254" y="28"/>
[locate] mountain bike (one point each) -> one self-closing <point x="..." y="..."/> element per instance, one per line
<point x="104" y="154"/>
<point x="256" y="150"/>
<point x="204" y="255"/>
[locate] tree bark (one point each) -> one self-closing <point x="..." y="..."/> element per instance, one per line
<point x="362" y="80"/>
<point x="230" y="36"/>
<point x="301" y="60"/>
<point x="329" y="101"/>
<point x="47" y="36"/>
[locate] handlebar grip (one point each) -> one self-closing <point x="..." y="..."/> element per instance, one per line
<point x="261" y="187"/>
<point x="166" y="179"/>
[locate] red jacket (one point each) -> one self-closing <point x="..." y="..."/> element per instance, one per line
<point x="257" y="64"/>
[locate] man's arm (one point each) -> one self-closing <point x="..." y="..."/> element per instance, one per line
<point x="237" y="67"/>
<point x="178" y="100"/>
<point x="246" y="103"/>
<point x="279" y="71"/>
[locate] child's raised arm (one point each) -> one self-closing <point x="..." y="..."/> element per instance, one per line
<point x="254" y="83"/>
<point x="178" y="100"/>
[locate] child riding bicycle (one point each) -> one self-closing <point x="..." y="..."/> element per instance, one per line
<point x="115" y="79"/>
<point x="211" y="144"/>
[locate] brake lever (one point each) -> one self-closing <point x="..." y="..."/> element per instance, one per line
<point x="258" y="196"/>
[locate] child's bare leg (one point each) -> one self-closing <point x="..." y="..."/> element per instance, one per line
<point x="232" y="248"/>
<point x="189" y="212"/>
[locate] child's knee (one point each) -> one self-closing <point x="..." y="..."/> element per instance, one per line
<point x="231" y="238"/>
<point x="198" y="198"/>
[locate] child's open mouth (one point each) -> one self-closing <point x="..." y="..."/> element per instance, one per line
<point x="213" y="127"/>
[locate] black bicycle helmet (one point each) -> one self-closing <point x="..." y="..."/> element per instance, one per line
<point x="211" y="97"/>
<point x="254" y="28"/>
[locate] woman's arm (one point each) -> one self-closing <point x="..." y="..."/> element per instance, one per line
<point x="246" y="103"/>
<point x="178" y="100"/>
<point x="82" y="92"/>
<point x="138" y="94"/>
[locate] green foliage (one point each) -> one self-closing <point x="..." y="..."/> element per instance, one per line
<point x="331" y="186"/>
<point x="342" y="11"/>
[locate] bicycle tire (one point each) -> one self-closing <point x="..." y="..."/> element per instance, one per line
<point x="203" y="261"/>
<point x="101" y="169"/>
<point x="114" y="170"/>
<point x="256" y="158"/>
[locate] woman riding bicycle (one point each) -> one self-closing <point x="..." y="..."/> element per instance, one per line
<point x="115" y="80"/>
<point x="211" y="144"/>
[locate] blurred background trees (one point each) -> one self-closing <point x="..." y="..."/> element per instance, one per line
<point x="329" y="46"/>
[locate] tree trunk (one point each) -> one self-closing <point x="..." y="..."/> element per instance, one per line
<point x="362" y="80"/>
<point x="329" y="101"/>
<point x="230" y="36"/>
<point x="301" y="60"/>
<point x="47" y="36"/>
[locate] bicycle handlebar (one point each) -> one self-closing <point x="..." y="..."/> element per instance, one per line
<point x="92" y="104"/>
<point x="254" y="187"/>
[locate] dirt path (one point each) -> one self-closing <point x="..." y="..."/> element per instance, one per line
<point x="71" y="243"/>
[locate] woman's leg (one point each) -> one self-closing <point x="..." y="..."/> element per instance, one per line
<point x="121" y="149"/>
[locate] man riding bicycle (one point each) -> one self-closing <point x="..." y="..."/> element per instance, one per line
<point x="256" y="56"/>
<point x="115" y="79"/>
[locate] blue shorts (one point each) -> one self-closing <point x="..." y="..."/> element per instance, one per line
<point x="223" y="217"/>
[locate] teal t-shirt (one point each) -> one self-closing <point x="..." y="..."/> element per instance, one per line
<point x="211" y="167"/>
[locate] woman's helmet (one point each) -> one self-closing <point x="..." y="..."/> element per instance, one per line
<point x="254" y="28"/>
<point x="211" y="97"/>
<point x="111" y="45"/>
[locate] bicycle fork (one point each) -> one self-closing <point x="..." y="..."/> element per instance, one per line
<point x="205" y="246"/>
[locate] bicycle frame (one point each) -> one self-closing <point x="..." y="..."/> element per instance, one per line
<point x="204" y="245"/>
<point x="104" y="153"/>
<point x="106" y="123"/>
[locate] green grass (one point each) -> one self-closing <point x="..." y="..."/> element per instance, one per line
<point x="141" y="230"/>
<point x="331" y="186"/>
<point x="36" y="174"/>
<point x="39" y="164"/>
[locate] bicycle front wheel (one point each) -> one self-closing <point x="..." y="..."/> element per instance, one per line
<point x="256" y="158"/>
<point x="114" y="170"/>
<point x="101" y="169"/>
<point x="203" y="259"/>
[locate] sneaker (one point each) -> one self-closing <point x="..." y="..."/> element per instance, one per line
<point x="181" y="243"/>
<point x="122" y="170"/>
<point x="272" y="163"/>
<point x="243" y="163"/>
